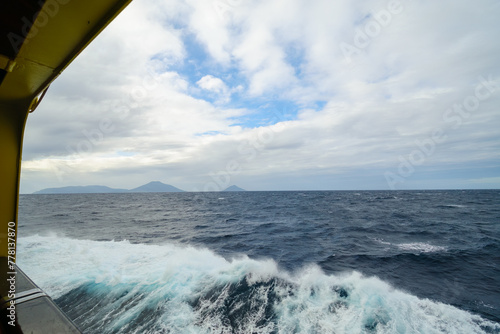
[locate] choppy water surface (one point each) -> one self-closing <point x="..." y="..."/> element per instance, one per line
<point x="268" y="262"/>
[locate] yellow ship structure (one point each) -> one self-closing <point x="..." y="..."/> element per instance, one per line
<point x="38" y="40"/>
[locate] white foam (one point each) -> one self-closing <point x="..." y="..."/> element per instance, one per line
<point x="414" y="247"/>
<point x="170" y="277"/>
<point x="421" y="247"/>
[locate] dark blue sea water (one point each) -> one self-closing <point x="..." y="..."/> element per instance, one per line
<point x="268" y="262"/>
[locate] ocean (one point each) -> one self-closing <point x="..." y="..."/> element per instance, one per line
<point x="268" y="262"/>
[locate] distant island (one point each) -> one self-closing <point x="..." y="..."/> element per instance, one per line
<point x="234" y="188"/>
<point x="151" y="187"/>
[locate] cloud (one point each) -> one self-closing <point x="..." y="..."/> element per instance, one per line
<point x="184" y="90"/>
<point x="487" y="180"/>
<point x="212" y="84"/>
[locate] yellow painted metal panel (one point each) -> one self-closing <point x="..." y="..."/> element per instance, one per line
<point x="12" y="120"/>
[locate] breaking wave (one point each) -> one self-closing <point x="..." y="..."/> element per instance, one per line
<point x="120" y="287"/>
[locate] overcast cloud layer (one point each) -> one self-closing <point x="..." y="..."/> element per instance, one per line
<point x="278" y="95"/>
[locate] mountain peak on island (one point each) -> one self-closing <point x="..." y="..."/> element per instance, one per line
<point x="151" y="187"/>
<point x="80" y="190"/>
<point x="155" y="187"/>
<point x="234" y="188"/>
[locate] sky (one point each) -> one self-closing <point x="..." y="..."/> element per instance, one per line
<point x="277" y="95"/>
